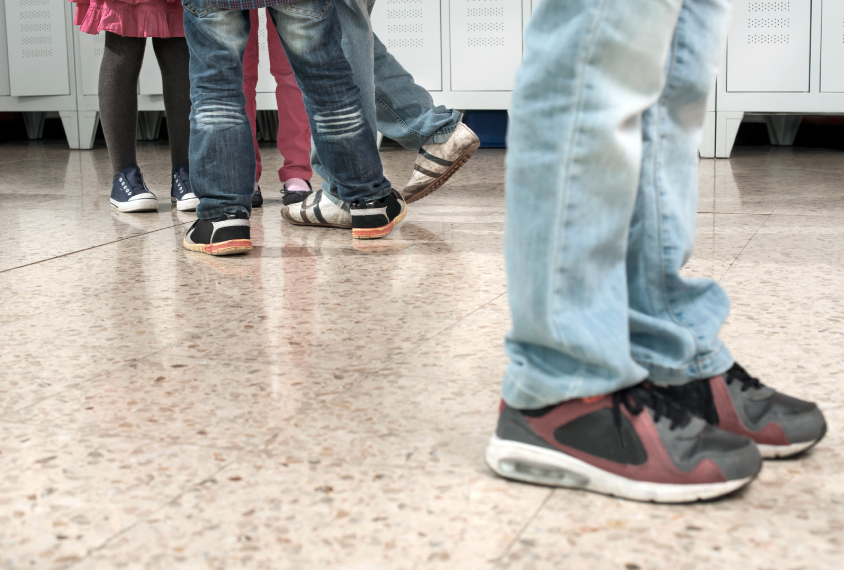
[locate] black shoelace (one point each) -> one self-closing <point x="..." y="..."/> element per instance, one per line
<point x="737" y="373"/>
<point x="637" y="398"/>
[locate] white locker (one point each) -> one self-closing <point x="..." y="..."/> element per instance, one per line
<point x="149" y="81"/>
<point x="486" y="44"/>
<point x="91" y="55"/>
<point x="832" y="46"/>
<point x="266" y="81"/>
<point x="4" y="55"/>
<point x="37" y="47"/>
<point x="768" y="46"/>
<point x="411" y="30"/>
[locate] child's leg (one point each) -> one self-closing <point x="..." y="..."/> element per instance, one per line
<point x="250" y="81"/>
<point x="118" y="90"/>
<point x="294" y="130"/>
<point x="173" y="59"/>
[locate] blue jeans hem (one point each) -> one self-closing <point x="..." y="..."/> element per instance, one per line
<point x="713" y="363"/>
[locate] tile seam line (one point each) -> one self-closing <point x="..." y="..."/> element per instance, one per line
<point x="68" y="254"/>
<point x="131" y="526"/>
<point x="736" y="258"/>
<point x="497" y="563"/>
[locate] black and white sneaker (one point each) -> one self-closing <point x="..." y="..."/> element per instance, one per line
<point x="129" y="192"/>
<point x="181" y="192"/>
<point x="225" y="235"/>
<point x="257" y="198"/>
<point x="377" y="218"/>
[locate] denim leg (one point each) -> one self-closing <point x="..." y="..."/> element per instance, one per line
<point x="406" y="111"/>
<point x="674" y="321"/>
<point x="344" y="140"/>
<point x="573" y="164"/>
<point x="357" y="46"/>
<point x="222" y="155"/>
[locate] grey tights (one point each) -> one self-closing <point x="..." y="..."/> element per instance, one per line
<point x="119" y="96"/>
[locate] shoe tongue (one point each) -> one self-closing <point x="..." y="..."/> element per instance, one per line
<point x="133" y="176"/>
<point x="183" y="171"/>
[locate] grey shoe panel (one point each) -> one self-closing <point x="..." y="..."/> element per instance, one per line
<point x="513" y="426"/>
<point x="757" y="407"/>
<point x="735" y="455"/>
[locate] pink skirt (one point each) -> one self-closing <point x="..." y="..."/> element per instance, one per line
<point x="132" y="18"/>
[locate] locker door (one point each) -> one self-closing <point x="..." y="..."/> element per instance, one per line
<point x="486" y="44"/>
<point x="4" y="55"/>
<point x="91" y="56"/>
<point x="37" y="46"/>
<point x="266" y="81"/>
<point x="412" y="32"/>
<point x="768" y="46"/>
<point x="149" y="81"/>
<point x="832" y="46"/>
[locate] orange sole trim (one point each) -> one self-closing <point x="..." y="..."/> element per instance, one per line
<point x="230" y="247"/>
<point x="375" y="233"/>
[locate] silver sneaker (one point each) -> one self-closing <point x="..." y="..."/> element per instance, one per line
<point x="317" y="210"/>
<point x="436" y="163"/>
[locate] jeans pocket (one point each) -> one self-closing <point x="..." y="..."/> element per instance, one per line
<point x="199" y="8"/>
<point x="312" y="8"/>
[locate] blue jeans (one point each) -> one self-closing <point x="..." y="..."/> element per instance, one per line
<point x="601" y="196"/>
<point x="222" y="157"/>
<point x="403" y="110"/>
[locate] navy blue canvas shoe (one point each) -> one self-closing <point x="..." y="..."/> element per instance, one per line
<point x="129" y="192"/>
<point x="181" y="193"/>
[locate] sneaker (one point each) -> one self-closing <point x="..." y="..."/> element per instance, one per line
<point x="225" y="235"/>
<point x="257" y="198"/>
<point x="288" y="197"/>
<point x="780" y="425"/>
<point x="436" y="163"/>
<point x="632" y="444"/>
<point x="377" y="218"/>
<point x="181" y="192"/>
<point x="129" y="192"/>
<point x="317" y="210"/>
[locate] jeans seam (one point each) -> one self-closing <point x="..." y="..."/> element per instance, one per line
<point x="658" y="191"/>
<point x="563" y="196"/>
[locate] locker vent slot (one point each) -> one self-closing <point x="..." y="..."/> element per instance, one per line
<point x="404" y="29"/>
<point x="31" y="14"/>
<point x="769" y="7"/>
<point x="405" y="42"/>
<point x="39" y="27"/>
<point x="767" y="39"/>
<point x="37" y="53"/>
<point x="478" y="12"/>
<point x="36" y="40"/>
<point x="484" y="42"/>
<point x="486" y="26"/>
<point x="404" y="13"/>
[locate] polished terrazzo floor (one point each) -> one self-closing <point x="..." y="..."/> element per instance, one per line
<point x="324" y="404"/>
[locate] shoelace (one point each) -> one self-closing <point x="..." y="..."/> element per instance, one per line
<point x="740" y="374"/>
<point x="637" y="398"/>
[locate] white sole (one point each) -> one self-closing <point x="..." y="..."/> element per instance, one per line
<point x="143" y="205"/>
<point x="187" y="205"/>
<point x="781" y="451"/>
<point x="523" y="462"/>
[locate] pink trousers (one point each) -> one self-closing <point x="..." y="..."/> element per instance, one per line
<point x="294" y="131"/>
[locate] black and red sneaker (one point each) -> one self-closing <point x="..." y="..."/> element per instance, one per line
<point x="225" y="235"/>
<point x="632" y="444"/>
<point x="780" y="425"/>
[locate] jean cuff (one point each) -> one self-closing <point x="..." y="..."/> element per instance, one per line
<point x="217" y="212"/>
<point x="712" y="363"/>
<point x="444" y="133"/>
